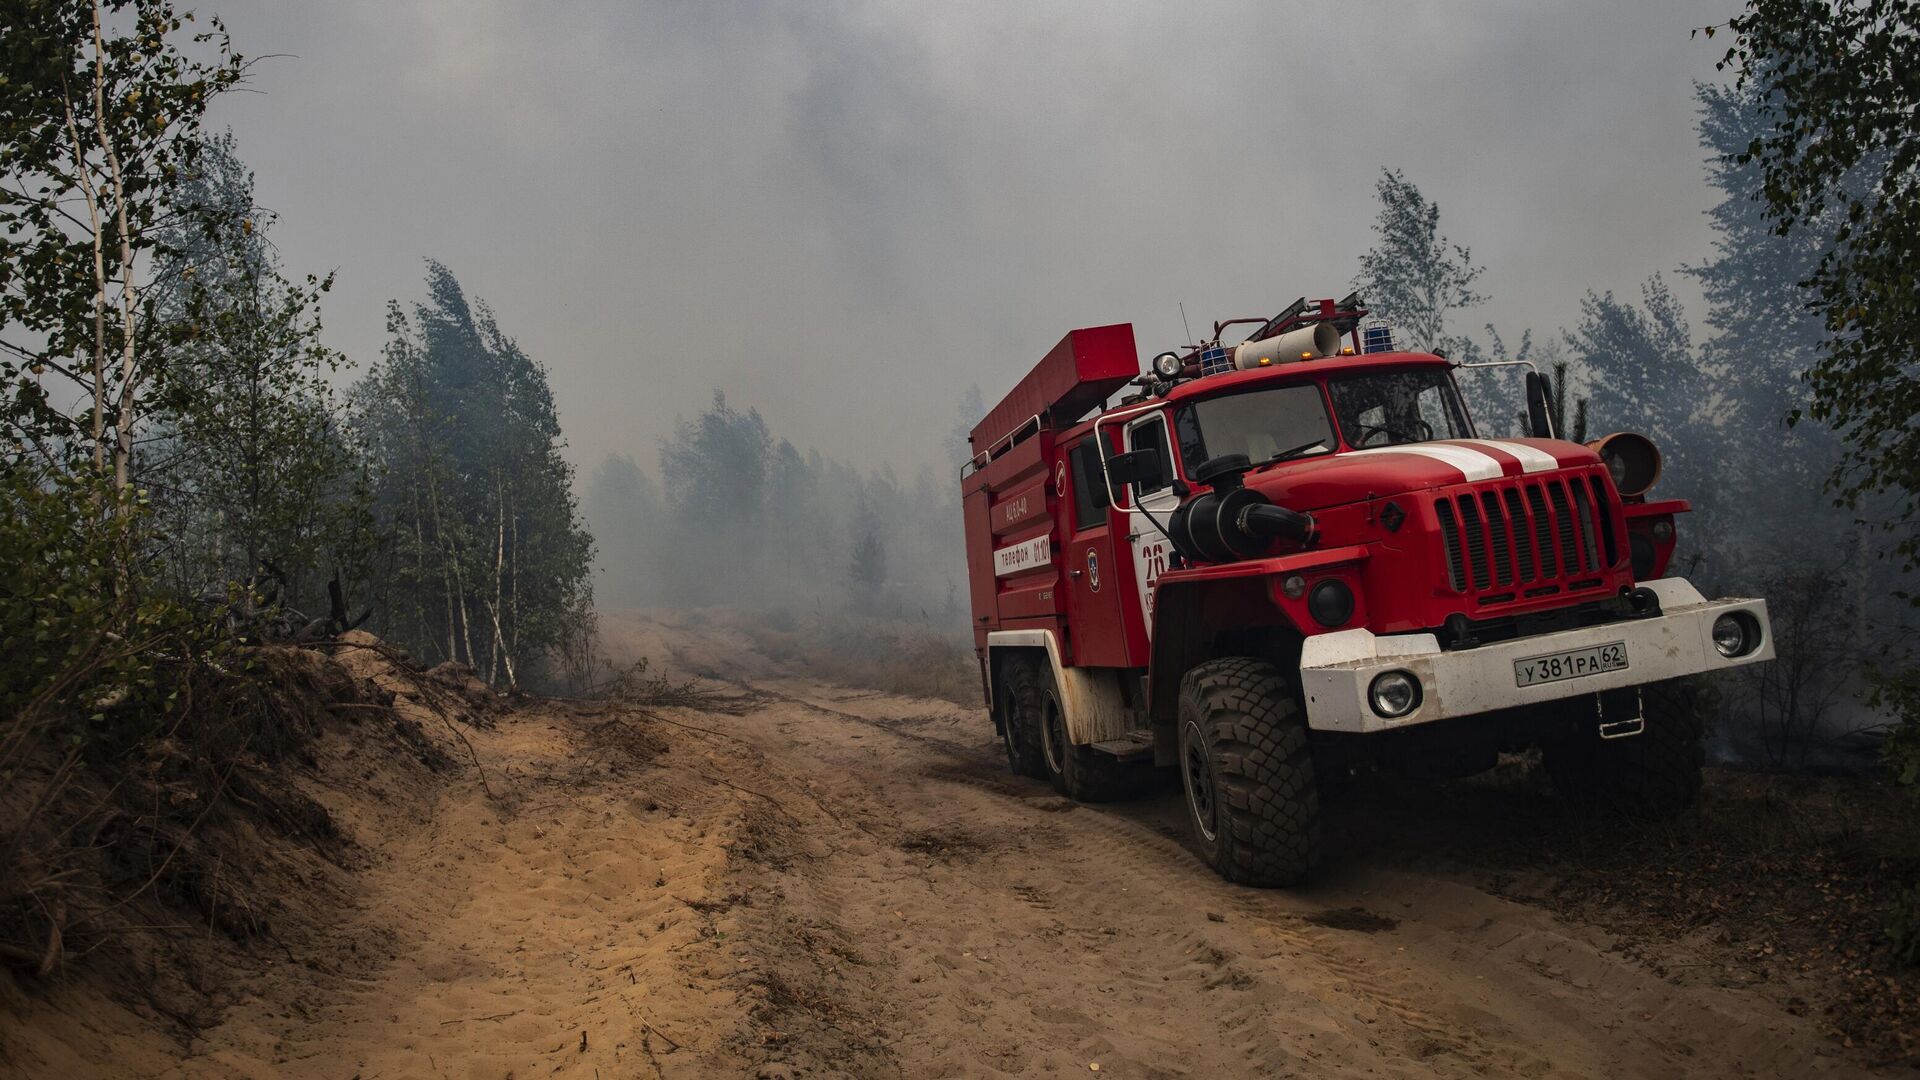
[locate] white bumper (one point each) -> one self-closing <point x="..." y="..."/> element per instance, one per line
<point x="1337" y="669"/>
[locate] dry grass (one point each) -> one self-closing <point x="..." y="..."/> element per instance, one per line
<point x="162" y="864"/>
<point x="897" y="656"/>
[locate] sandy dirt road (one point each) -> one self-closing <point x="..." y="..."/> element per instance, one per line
<point x="818" y="881"/>
<point x="940" y="917"/>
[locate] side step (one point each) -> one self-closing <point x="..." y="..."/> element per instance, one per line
<point x="1137" y="743"/>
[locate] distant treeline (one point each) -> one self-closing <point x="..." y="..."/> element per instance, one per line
<point x="740" y="517"/>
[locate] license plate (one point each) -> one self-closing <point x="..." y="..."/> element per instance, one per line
<point x="1572" y="664"/>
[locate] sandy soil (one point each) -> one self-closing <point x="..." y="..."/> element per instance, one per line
<point x="819" y="881"/>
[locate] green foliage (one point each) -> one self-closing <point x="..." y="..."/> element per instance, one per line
<point x="489" y="561"/>
<point x="100" y="110"/>
<point x="95" y="653"/>
<point x="715" y="466"/>
<point x="1764" y="338"/>
<point x="1575" y="429"/>
<point x="1640" y="364"/>
<point x="1840" y="159"/>
<point x="1896" y="690"/>
<point x="1549" y="355"/>
<point x="867" y="570"/>
<point x="715" y="472"/>
<point x="247" y="460"/>
<point x="1413" y="276"/>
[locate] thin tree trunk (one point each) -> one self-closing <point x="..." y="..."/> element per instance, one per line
<point x="513" y="682"/>
<point x="129" y="292"/>
<point x="87" y="190"/>
<point x="499" y="566"/>
<point x="419" y="549"/>
<point x="447" y="578"/>
<point x="513" y="591"/>
<point x="250" y="461"/>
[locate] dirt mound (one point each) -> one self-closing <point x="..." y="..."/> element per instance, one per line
<point x="152" y="882"/>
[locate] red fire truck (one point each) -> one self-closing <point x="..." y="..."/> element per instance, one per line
<point x="1272" y="564"/>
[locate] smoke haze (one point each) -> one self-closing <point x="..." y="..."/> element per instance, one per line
<point x="845" y="213"/>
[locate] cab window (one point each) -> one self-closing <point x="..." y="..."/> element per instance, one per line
<point x="1152" y="435"/>
<point x="1272" y="424"/>
<point x="1386" y="408"/>
<point x="1089" y="486"/>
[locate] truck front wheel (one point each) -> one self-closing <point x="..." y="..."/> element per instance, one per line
<point x="1653" y="775"/>
<point x="1248" y="772"/>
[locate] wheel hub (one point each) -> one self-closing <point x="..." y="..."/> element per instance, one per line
<point x="1199" y="783"/>
<point x="1053" y="735"/>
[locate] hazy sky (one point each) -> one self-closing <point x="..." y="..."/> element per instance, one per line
<point x="843" y="213"/>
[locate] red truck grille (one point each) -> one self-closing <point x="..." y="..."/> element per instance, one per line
<point x="1523" y="539"/>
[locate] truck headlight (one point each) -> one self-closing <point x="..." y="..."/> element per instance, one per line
<point x="1735" y="634"/>
<point x="1394" y="694"/>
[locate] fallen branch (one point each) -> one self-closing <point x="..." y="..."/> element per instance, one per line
<point x="476" y="1019"/>
<point x="668" y="1039"/>
<point x="777" y="804"/>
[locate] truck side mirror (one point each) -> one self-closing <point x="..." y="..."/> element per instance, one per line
<point x="1539" y="420"/>
<point x="1140" y="468"/>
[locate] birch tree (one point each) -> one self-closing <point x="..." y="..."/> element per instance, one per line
<point x="246" y="460"/>
<point x="101" y="105"/>
<point x="490" y="561"/>
<point x="1413" y="276"/>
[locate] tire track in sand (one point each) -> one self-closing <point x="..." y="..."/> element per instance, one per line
<point x="1091" y="934"/>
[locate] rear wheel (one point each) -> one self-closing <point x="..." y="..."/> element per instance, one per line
<point x="1248" y="772"/>
<point x="1078" y="772"/>
<point x="1020" y="722"/>
<point x="1654" y="775"/>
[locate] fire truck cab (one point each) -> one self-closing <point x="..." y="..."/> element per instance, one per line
<point x="1270" y="564"/>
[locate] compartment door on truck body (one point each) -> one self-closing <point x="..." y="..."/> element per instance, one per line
<point x="1151" y="549"/>
<point x="1094" y="584"/>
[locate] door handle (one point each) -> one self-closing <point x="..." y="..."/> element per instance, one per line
<point x="1073" y="573"/>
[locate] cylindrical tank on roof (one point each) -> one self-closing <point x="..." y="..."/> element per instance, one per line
<point x="1320" y="339"/>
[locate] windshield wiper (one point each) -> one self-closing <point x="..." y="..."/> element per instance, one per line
<point x="1286" y="455"/>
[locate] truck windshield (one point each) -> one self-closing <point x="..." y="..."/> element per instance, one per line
<point x="1282" y="422"/>
<point x="1383" y="408"/>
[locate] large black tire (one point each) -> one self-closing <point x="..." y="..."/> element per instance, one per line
<point x="1248" y="772"/>
<point x="1020" y="728"/>
<point x="1652" y="776"/>
<point x="1078" y="772"/>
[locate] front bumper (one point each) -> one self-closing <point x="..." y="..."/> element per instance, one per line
<point x="1337" y="669"/>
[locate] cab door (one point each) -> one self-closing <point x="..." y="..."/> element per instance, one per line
<point x="1094" y="583"/>
<point x="1149" y="548"/>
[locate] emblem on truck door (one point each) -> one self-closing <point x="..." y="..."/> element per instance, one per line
<point x="1093" y="571"/>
